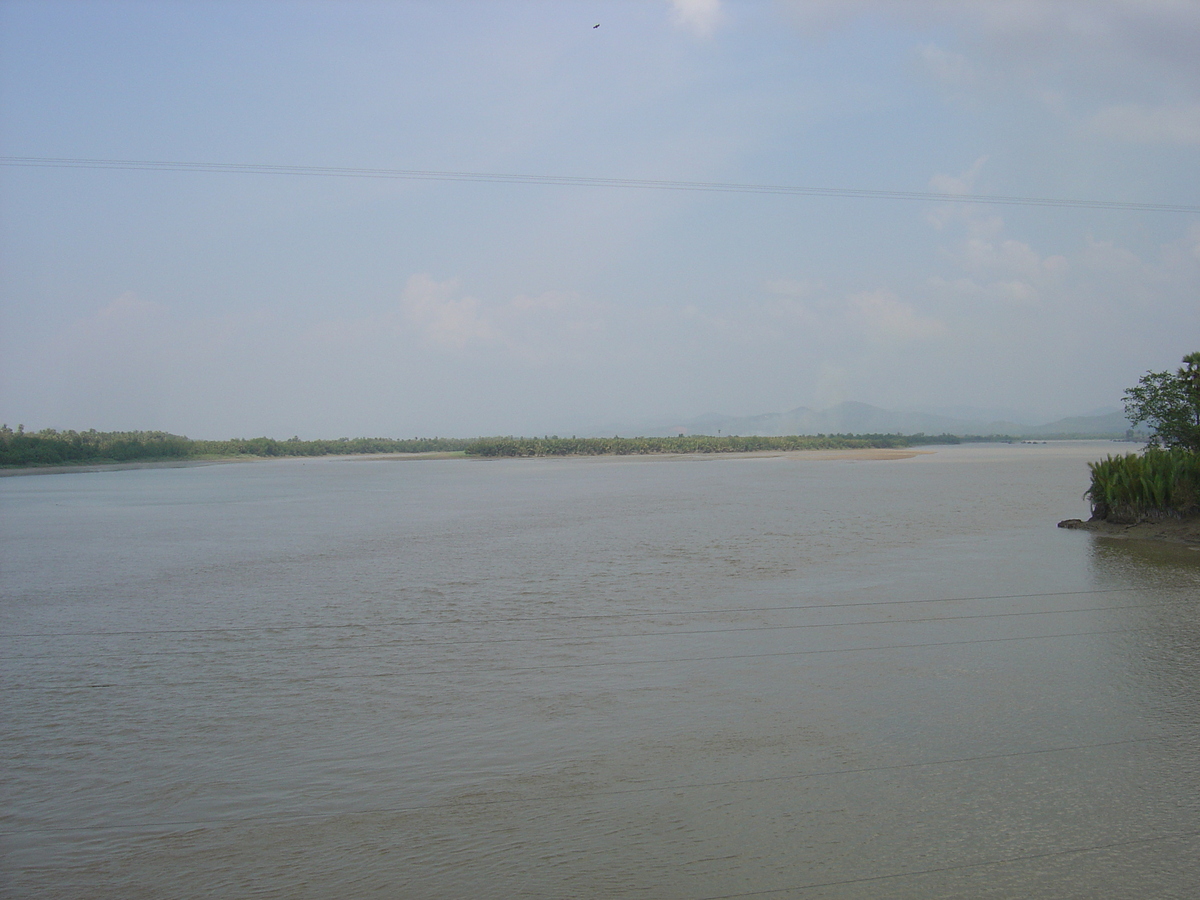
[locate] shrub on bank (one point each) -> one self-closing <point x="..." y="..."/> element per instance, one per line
<point x="1156" y="484"/>
<point x="51" y="447"/>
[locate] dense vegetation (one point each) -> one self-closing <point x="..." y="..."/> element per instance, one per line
<point x="1151" y="485"/>
<point x="1170" y="403"/>
<point x="688" y="443"/>
<point x="1158" y="483"/>
<point x="707" y="443"/>
<point x="50" y="447"/>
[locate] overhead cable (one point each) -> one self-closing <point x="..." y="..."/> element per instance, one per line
<point x="402" y="643"/>
<point x="584" y="181"/>
<point x="257" y="682"/>
<point x="545" y="617"/>
<point x="544" y="798"/>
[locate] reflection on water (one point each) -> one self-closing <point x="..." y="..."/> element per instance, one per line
<point x="663" y="678"/>
<point x="1166" y="658"/>
<point x="1142" y="562"/>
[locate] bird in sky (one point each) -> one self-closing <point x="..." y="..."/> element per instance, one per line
<point x="597" y="25"/>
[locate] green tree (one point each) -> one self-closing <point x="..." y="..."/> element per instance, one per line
<point x="1169" y="402"/>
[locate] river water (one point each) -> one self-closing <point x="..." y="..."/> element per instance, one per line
<point x="644" y="678"/>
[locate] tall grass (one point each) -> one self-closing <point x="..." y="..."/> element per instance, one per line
<point x="1153" y="485"/>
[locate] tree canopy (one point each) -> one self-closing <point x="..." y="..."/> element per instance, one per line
<point x="1169" y="402"/>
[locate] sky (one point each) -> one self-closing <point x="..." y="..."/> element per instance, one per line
<point x="218" y="304"/>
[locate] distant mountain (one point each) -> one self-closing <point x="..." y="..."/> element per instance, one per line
<point x="862" y="418"/>
<point x="1113" y="424"/>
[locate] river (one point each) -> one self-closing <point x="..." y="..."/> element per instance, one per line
<point x="636" y="678"/>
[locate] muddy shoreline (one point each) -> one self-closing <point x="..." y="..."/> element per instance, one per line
<point x="9" y="471"/>
<point x="1175" y="531"/>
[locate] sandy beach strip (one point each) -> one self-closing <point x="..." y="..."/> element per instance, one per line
<point x="864" y="453"/>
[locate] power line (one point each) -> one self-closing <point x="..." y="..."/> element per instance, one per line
<point x="419" y="642"/>
<point x="979" y="865"/>
<point x="559" y="616"/>
<point x="644" y="789"/>
<point x="541" y="667"/>
<point x="582" y="181"/>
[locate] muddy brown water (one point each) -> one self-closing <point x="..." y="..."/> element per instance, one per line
<point x="595" y="678"/>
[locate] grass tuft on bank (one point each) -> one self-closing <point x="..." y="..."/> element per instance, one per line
<point x="1156" y="484"/>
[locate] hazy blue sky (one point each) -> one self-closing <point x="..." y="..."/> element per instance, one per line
<point x="235" y="304"/>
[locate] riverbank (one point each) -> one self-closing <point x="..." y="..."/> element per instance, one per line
<point x="860" y="453"/>
<point x="863" y="453"/>
<point x="224" y="460"/>
<point x="8" y="471"/>
<point x="1176" y="531"/>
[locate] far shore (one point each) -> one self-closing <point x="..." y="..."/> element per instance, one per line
<point x="869" y="453"/>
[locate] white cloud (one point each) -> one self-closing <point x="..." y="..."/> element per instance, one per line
<point x="952" y="69"/>
<point x="1056" y="266"/>
<point x="1150" y="125"/>
<point x="555" y="326"/>
<point x="1083" y="51"/>
<point x="536" y="329"/>
<point x="701" y="17"/>
<point x="985" y="252"/>
<point x="1011" y="21"/>
<point x="1007" y="256"/>
<point x="444" y="318"/>
<point x="1108" y="258"/>
<point x="887" y="319"/>
<point x="1014" y="291"/>
<point x="996" y="268"/>
<point x="126" y="332"/>
<point x="963" y="183"/>
<point x="789" y="287"/>
<point x="819" y="15"/>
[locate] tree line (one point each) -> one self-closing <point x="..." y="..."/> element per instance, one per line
<point x="687" y="443"/>
<point x="51" y="447"/>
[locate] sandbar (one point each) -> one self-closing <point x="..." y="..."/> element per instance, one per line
<point x="864" y="453"/>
